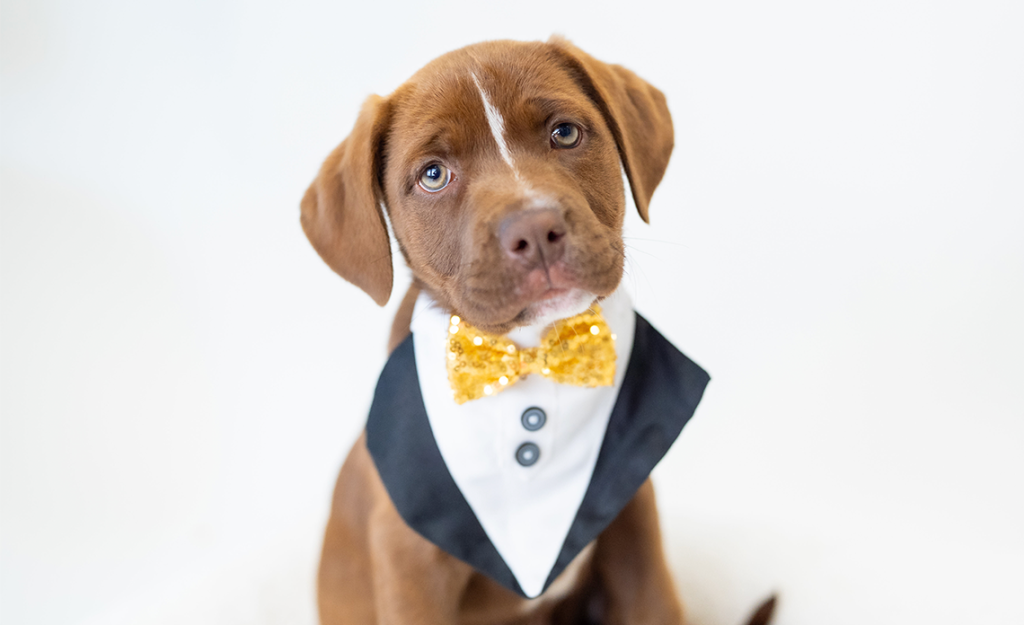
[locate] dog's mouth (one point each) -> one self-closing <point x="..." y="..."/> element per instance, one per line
<point x="553" y="293"/>
<point x="549" y="293"/>
<point x="498" y="296"/>
<point x="538" y="297"/>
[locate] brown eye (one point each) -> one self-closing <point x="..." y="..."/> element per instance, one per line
<point x="566" y="136"/>
<point x="435" y="177"/>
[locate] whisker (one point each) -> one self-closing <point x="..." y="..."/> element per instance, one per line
<point x="676" y="243"/>
<point x="644" y="274"/>
<point x="634" y="249"/>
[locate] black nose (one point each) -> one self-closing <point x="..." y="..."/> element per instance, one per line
<point x="535" y="237"/>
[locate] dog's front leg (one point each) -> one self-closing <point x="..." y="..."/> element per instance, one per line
<point x="414" y="581"/>
<point x="635" y="580"/>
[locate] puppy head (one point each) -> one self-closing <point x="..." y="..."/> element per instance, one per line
<point x="499" y="166"/>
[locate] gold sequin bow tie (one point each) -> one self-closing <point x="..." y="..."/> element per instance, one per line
<point x="579" y="350"/>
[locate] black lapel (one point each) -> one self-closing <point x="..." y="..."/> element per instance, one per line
<point x="659" y="394"/>
<point x="402" y="445"/>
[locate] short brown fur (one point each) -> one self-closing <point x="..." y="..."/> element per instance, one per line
<point x="374" y="568"/>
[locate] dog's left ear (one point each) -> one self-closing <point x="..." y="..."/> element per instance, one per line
<point x="341" y="211"/>
<point x="635" y="112"/>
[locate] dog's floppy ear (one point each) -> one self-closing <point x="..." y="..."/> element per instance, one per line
<point x="635" y="112"/>
<point x="341" y="211"/>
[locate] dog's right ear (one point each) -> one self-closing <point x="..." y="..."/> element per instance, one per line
<point x="341" y="211"/>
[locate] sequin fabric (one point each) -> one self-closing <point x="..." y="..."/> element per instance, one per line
<point x="579" y="351"/>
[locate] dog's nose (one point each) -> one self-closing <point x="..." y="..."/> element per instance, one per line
<point x="534" y="237"/>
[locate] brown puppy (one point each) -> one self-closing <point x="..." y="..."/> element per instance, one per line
<point x="499" y="168"/>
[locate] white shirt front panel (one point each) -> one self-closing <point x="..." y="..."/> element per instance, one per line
<point x="526" y="511"/>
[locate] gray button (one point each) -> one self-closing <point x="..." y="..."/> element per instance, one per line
<point x="534" y="419"/>
<point x="527" y="454"/>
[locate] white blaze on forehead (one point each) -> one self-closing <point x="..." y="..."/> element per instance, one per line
<point x="497" y="124"/>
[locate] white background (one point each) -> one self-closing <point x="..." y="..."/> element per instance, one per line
<point x="839" y="240"/>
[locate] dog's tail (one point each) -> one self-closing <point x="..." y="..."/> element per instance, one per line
<point x="763" y="614"/>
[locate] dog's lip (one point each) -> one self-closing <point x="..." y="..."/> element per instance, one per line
<point x="540" y="294"/>
<point x="552" y="293"/>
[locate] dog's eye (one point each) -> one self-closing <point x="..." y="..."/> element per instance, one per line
<point x="435" y="177"/>
<point x="566" y="136"/>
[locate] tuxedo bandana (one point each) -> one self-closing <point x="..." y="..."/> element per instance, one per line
<point x="517" y="483"/>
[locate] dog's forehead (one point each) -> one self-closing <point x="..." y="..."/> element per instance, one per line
<point x="443" y="107"/>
